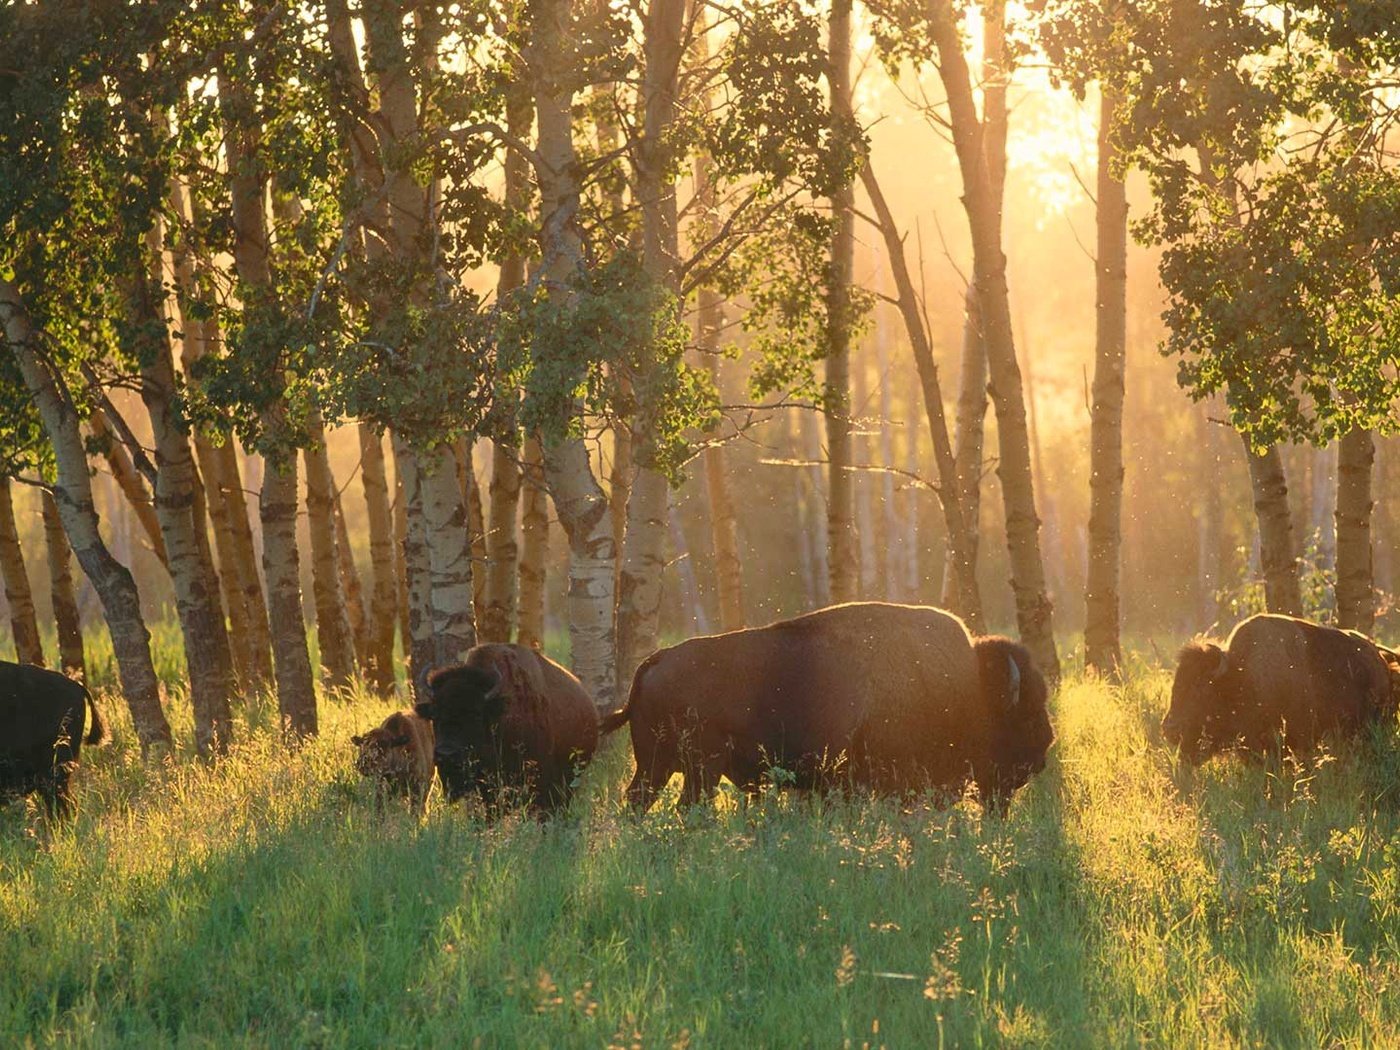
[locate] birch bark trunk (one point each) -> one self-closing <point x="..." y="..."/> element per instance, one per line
<point x="644" y="543"/>
<point x="579" y="501"/>
<point x="24" y="623"/>
<point x="419" y="645"/>
<point x="63" y="594"/>
<point x="116" y="589"/>
<point x="198" y="603"/>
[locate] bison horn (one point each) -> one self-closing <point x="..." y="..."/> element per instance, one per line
<point x="1014" y="679"/>
<point x="1223" y="663"/>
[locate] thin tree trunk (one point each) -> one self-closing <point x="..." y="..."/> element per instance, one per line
<point x="972" y="382"/>
<point x="350" y="583"/>
<point x="580" y="503"/>
<point x="476" y="524"/>
<point x="334" y="634"/>
<point x="129" y="480"/>
<point x="449" y="556"/>
<point x="724" y="522"/>
<point x="277" y="512"/>
<point x="862" y="510"/>
<point x="402" y="589"/>
<point x="960" y="544"/>
<point x="971" y="428"/>
<point x="502" y="543"/>
<point x="63" y="594"/>
<point x="1033" y="607"/>
<point x="383" y="603"/>
<point x="888" y="547"/>
<point x="534" y="546"/>
<point x="114" y="584"/>
<point x="420" y="646"/>
<point x="1356" y="604"/>
<point x="24" y="624"/>
<point x="685" y="568"/>
<point x="840" y="507"/>
<point x="644" y="543"/>
<point x="227" y="506"/>
<point x="1278" y="556"/>
<point x="198" y="603"/>
<point x="1101" y="598"/>
<point x="817" y="513"/>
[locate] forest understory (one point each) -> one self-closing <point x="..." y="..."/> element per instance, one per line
<point x="267" y="900"/>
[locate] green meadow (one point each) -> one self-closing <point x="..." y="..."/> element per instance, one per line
<point x="266" y="901"/>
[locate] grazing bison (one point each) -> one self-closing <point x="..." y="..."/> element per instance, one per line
<point x="1278" y="677"/>
<point x="510" y="717"/>
<point x="892" y="697"/>
<point x="398" y="754"/>
<point x="42" y="715"/>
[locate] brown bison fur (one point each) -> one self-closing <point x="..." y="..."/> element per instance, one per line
<point x="42" y="715"/>
<point x="398" y="755"/>
<point x="509" y="717"/>
<point x="889" y="697"/>
<point x="1278" y="680"/>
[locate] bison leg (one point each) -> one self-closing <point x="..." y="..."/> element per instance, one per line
<point x="58" y="799"/>
<point x="646" y="785"/>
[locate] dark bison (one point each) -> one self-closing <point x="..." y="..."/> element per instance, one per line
<point x="892" y="697"/>
<point x="1278" y="679"/>
<point x="509" y="717"/>
<point x="398" y="755"/>
<point x="42" y="716"/>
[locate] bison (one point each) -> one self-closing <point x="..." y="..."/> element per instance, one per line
<point x="42" y="717"/>
<point x="398" y="755"/>
<point x="509" y="717"/>
<point x="890" y="697"/>
<point x="1278" y="679"/>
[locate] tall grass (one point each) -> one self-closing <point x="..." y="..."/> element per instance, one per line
<point x="266" y="901"/>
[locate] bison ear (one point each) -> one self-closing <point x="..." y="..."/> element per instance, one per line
<point x="425" y="710"/>
<point x="357" y="740"/>
<point x="400" y="741"/>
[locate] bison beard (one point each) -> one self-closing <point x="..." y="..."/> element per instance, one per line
<point x="889" y="697"/>
<point x="42" y="714"/>
<point x="1278" y="680"/>
<point x="509" y="718"/>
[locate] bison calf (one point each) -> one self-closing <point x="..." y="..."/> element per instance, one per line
<point x="1278" y="679"/>
<point x="398" y="755"/>
<point x="893" y="697"/>
<point x="42" y="715"/>
<point x="509" y="717"/>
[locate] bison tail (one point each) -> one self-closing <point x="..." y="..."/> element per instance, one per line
<point x="97" y="732"/>
<point x="616" y="720"/>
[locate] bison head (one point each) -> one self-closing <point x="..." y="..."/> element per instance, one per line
<point x="386" y="750"/>
<point x="1193" y="722"/>
<point x="466" y="705"/>
<point x="1018" y="696"/>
